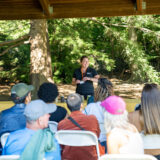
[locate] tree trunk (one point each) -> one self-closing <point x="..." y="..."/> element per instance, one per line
<point x="132" y="35"/>
<point x="40" y="58"/>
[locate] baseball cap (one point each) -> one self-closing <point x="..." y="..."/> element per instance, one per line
<point x="21" y="89"/>
<point x="114" y="105"/>
<point x="38" y="108"/>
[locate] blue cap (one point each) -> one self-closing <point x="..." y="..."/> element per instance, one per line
<point x="38" y="108"/>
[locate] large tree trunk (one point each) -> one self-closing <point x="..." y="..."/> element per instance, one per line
<point x="132" y="35"/>
<point x="40" y="58"/>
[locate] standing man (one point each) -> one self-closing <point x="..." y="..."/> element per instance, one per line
<point x="87" y="122"/>
<point x="84" y="77"/>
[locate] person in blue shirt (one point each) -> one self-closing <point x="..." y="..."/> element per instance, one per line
<point x="36" y="141"/>
<point x="13" y="119"/>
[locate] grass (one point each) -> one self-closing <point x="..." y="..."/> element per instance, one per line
<point x="129" y="102"/>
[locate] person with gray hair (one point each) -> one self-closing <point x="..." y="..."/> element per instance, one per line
<point x="78" y="121"/>
<point x="36" y="141"/>
<point x="74" y="102"/>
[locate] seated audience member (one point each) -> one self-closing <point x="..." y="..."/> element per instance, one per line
<point x="13" y="118"/>
<point x="147" y="119"/>
<point x="89" y="123"/>
<point x="36" y="140"/>
<point x="122" y="137"/>
<point x="138" y="106"/>
<point x="48" y="92"/>
<point x="103" y="90"/>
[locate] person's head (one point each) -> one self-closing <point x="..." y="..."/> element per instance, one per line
<point x="103" y="90"/>
<point x="48" y="92"/>
<point x="150" y="109"/>
<point x="21" y="93"/>
<point x="84" y="62"/>
<point x="74" y="102"/>
<point x="37" y="114"/>
<point x="115" y="113"/>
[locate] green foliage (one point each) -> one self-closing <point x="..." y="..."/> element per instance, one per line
<point x="72" y="38"/>
<point x="107" y="44"/>
<point x="14" y="65"/>
<point x="122" y="46"/>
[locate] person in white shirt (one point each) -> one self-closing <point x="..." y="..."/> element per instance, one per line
<point x="122" y="137"/>
<point x="147" y="119"/>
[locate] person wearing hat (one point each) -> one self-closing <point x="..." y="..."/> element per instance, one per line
<point x="13" y="119"/>
<point x="88" y="123"/>
<point x="122" y="137"/>
<point x="36" y="141"/>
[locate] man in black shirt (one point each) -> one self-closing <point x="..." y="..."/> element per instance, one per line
<point x="84" y="77"/>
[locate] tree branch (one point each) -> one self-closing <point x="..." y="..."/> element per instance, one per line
<point x="15" y="40"/>
<point x="106" y="25"/>
<point x="6" y="50"/>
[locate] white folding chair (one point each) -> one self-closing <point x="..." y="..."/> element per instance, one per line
<point x="53" y="126"/>
<point x="10" y="157"/>
<point x="77" y="138"/>
<point x="127" y="157"/>
<point x="4" y="138"/>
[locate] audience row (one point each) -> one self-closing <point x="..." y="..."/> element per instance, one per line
<point x="118" y="131"/>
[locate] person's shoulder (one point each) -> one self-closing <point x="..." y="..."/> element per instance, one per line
<point x="60" y="108"/>
<point x="16" y="134"/>
<point x="133" y="115"/>
<point x="7" y="111"/>
<point x="90" y="69"/>
<point x="62" y="123"/>
<point x="20" y="131"/>
<point x="77" y="69"/>
<point x="94" y="106"/>
<point x="115" y="134"/>
<point x="92" y="117"/>
<point x="133" y="128"/>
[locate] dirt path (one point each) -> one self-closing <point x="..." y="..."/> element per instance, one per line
<point x="121" y="88"/>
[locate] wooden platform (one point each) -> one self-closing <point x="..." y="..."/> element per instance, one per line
<point x="49" y="9"/>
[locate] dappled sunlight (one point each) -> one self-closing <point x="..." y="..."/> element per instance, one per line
<point x="130" y="92"/>
<point x="127" y="90"/>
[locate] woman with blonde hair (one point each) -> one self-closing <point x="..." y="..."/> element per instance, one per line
<point x="122" y="137"/>
<point x="147" y="119"/>
<point x="103" y="90"/>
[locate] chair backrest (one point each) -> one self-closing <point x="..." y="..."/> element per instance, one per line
<point x="151" y="141"/>
<point x="4" y="138"/>
<point x="10" y="157"/>
<point x="77" y="138"/>
<point x="53" y="126"/>
<point x="127" y="157"/>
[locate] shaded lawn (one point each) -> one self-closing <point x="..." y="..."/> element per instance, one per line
<point x="130" y="104"/>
